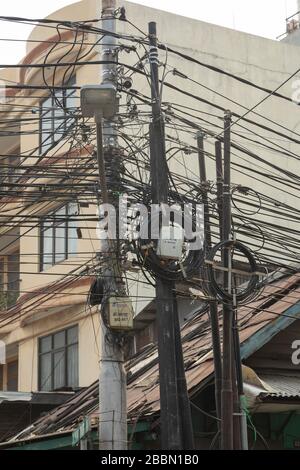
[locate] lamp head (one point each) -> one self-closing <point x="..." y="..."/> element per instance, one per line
<point x="99" y="99"/>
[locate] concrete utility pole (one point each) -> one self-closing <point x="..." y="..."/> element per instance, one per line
<point x="112" y="378"/>
<point x="175" y="413"/>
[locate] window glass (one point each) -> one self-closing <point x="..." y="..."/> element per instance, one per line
<point x="59" y="370"/>
<point x="56" y="115"/>
<point x="13" y="272"/>
<point x="72" y="101"/>
<point x="47" y="121"/>
<point x="12" y="376"/>
<point x="13" y="278"/>
<point x="60" y="243"/>
<point x="46" y="124"/>
<point x="47" y="239"/>
<point x="72" y="208"/>
<point x="47" y="104"/>
<point x="72" y="335"/>
<point x="59" y="126"/>
<point x="73" y="366"/>
<point x="9" y="280"/>
<point x="45" y="344"/>
<point x="72" y="229"/>
<point x="59" y="340"/>
<point x="59" y="236"/>
<point x="45" y="372"/>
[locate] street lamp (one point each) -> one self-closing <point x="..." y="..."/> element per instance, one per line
<point x="99" y="100"/>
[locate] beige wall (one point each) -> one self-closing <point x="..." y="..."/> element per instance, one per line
<point x="88" y="340"/>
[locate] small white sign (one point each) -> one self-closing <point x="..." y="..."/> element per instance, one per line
<point x="120" y="313"/>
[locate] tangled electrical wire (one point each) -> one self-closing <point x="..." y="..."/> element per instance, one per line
<point x="266" y="223"/>
<point x="245" y="293"/>
<point x="169" y="269"/>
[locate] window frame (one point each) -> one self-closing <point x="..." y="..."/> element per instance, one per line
<point x="54" y="225"/>
<point x="62" y="94"/>
<point x="52" y="351"/>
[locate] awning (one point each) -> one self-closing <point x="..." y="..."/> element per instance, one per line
<point x="19" y="409"/>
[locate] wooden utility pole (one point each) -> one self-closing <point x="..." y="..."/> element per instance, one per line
<point x="175" y="413"/>
<point x="227" y="393"/>
<point x="213" y="305"/>
<point x="239" y="427"/>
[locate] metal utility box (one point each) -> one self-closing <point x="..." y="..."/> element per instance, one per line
<point x="120" y="313"/>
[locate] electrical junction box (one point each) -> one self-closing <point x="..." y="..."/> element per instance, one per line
<point x="170" y="243"/>
<point x="120" y="313"/>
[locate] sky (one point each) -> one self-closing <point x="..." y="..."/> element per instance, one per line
<point x="261" y="17"/>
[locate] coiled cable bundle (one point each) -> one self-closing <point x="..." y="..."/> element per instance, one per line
<point x="169" y="269"/>
<point x="216" y="289"/>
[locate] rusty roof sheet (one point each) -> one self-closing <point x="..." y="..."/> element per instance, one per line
<point x="143" y="373"/>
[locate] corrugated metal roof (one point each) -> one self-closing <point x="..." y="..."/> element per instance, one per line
<point x="284" y="384"/>
<point x="271" y="391"/>
<point x="143" y="373"/>
<point x="278" y="397"/>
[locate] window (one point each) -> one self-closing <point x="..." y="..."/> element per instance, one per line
<point x="9" y="279"/>
<point x="58" y="360"/>
<point x="12" y="376"/>
<point x="9" y="376"/>
<point x="58" y="236"/>
<point x="55" y="115"/>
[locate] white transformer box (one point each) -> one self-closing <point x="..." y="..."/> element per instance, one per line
<point x="170" y="243"/>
